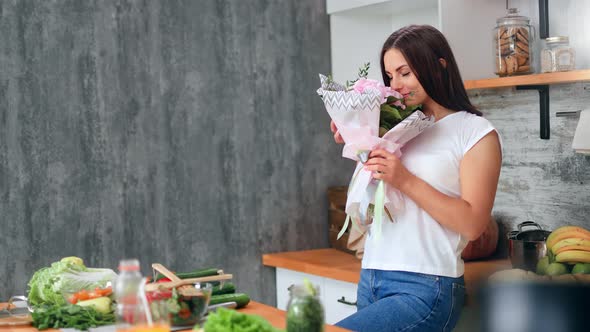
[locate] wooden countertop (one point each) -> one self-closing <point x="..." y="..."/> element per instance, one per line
<point x="336" y="264"/>
<point x="329" y="263"/>
<point x="275" y="316"/>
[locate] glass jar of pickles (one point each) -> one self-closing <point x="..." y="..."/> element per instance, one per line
<point x="305" y="312"/>
<point x="513" y="44"/>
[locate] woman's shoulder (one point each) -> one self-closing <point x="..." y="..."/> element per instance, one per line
<point x="469" y="120"/>
<point x="470" y="116"/>
<point x="471" y="128"/>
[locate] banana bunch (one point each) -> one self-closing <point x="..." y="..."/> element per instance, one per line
<point x="568" y="251"/>
<point x="569" y="244"/>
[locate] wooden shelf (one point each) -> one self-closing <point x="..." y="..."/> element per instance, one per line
<point x="532" y="79"/>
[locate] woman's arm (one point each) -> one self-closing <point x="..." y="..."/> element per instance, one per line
<point x="467" y="215"/>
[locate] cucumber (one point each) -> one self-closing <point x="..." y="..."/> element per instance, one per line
<point x="240" y="299"/>
<point x="228" y="288"/>
<point x="193" y="274"/>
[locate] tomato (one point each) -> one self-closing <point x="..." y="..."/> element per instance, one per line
<point x="165" y="294"/>
<point x="98" y="292"/>
<point x="150" y="296"/>
<point x="93" y="294"/>
<point x="184" y="313"/>
<point x="87" y="295"/>
<point x="158" y="295"/>
<point x="83" y="295"/>
<point x="106" y="291"/>
<point x="73" y="299"/>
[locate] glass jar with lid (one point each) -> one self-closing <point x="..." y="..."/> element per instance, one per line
<point x="513" y="39"/>
<point x="305" y="312"/>
<point x="557" y="55"/>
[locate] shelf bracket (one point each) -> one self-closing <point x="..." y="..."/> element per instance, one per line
<point x="543" y="19"/>
<point x="544" y="105"/>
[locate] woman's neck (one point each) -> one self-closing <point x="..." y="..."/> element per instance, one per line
<point x="431" y="108"/>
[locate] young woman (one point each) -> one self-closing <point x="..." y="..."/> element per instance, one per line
<point x="412" y="279"/>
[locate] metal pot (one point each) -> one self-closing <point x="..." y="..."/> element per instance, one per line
<point x="527" y="247"/>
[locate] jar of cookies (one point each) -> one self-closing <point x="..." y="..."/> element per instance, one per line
<point x="513" y="45"/>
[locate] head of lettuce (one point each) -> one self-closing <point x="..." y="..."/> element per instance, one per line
<point x="49" y="284"/>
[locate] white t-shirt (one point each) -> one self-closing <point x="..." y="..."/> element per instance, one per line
<point x="416" y="242"/>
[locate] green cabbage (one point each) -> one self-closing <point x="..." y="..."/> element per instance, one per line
<point x="226" y="320"/>
<point x="49" y="285"/>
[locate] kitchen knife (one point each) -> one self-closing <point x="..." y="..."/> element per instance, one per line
<point x="229" y="305"/>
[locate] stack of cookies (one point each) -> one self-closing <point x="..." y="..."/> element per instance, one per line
<point x="513" y="51"/>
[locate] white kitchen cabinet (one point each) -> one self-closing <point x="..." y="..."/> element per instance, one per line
<point x="339" y="299"/>
<point x="286" y="278"/>
<point x="358" y="29"/>
<point x="331" y="291"/>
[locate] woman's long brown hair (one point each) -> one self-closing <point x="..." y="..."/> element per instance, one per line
<point x="423" y="46"/>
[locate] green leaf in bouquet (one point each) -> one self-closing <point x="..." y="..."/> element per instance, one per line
<point x="391" y="116"/>
<point x="330" y="79"/>
<point x="391" y="100"/>
<point x="387" y="120"/>
<point x="363" y="72"/>
<point x="405" y="113"/>
<point x="412" y="109"/>
<point x="390" y="112"/>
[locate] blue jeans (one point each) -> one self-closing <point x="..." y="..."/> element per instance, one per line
<point x="406" y="301"/>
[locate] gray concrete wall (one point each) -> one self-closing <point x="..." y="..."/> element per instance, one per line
<point x="181" y="132"/>
<point x="541" y="180"/>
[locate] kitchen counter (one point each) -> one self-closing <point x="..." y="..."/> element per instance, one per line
<point x="339" y="265"/>
<point x="275" y="316"/>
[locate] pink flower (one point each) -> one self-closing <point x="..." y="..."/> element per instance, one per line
<point x="387" y="91"/>
<point x="364" y="83"/>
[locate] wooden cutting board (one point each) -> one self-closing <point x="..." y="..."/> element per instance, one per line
<point x="14" y="320"/>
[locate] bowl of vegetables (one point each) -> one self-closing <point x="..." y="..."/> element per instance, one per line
<point x="188" y="308"/>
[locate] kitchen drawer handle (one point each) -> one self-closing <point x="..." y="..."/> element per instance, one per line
<point x="343" y="300"/>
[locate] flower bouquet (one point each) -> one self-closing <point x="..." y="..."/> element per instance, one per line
<point x="370" y="115"/>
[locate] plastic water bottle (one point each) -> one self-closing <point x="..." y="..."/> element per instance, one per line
<point x="126" y="293"/>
